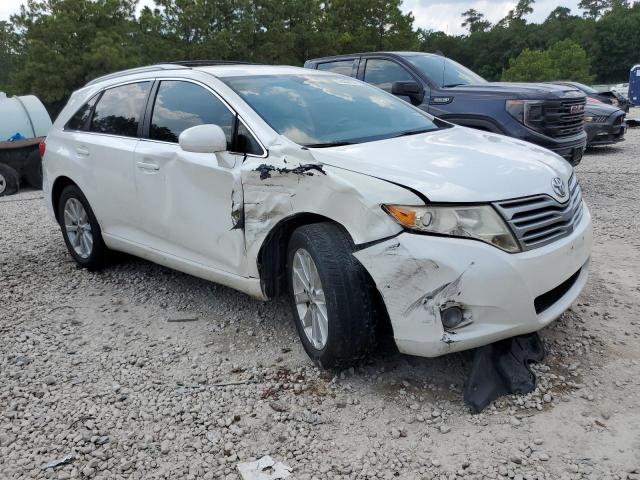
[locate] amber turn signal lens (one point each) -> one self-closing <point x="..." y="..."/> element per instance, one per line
<point x="405" y="216"/>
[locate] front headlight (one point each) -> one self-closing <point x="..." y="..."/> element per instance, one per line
<point x="481" y="222"/>
<point x="527" y="112"/>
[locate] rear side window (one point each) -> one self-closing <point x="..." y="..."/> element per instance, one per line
<point x="344" y="67"/>
<point x="180" y="105"/>
<point x="382" y="73"/>
<point x="81" y="118"/>
<point x="119" y="110"/>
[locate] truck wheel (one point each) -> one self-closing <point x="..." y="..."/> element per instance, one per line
<point x="9" y="180"/>
<point x="80" y="230"/>
<point x="33" y="174"/>
<point x="331" y="296"/>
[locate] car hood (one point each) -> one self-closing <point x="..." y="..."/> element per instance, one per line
<point x="520" y="90"/>
<point x="454" y="165"/>
<point x="600" y="109"/>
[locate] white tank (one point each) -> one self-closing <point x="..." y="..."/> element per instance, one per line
<point x="24" y="115"/>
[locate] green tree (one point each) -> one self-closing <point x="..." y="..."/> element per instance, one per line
<point x="64" y="43"/>
<point x="593" y="8"/>
<point x="475" y="21"/>
<point x="368" y="25"/>
<point x="530" y="66"/>
<point x="617" y="43"/>
<point x="7" y="53"/>
<point x="565" y="60"/>
<point x="571" y="61"/>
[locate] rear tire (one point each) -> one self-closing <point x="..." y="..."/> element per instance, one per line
<point x="33" y="173"/>
<point x="9" y="180"/>
<point x="332" y="298"/>
<point x="80" y="230"/>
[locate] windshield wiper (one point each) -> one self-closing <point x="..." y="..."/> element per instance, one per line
<point x="450" y="85"/>
<point x="413" y="132"/>
<point x="328" y="144"/>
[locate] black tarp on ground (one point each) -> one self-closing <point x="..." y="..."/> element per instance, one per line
<point x="502" y="368"/>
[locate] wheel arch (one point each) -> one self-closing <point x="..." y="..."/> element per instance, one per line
<point x="272" y="256"/>
<point x="272" y="261"/>
<point x="58" y="187"/>
<point x="474" y="121"/>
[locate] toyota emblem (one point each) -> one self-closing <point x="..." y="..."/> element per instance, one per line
<point x="558" y="186"/>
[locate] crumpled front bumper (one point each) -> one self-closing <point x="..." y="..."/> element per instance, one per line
<point x="419" y="274"/>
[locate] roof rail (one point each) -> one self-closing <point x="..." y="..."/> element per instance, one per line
<point x="130" y="71"/>
<point x="206" y="63"/>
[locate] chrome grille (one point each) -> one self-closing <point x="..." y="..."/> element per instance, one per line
<point x="539" y="220"/>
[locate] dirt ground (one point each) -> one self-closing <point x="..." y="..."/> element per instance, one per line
<point x="139" y="372"/>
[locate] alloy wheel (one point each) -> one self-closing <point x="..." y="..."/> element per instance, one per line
<point x="309" y="299"/>
<point x="3" y="184"/>
<point x="78" y="228"/>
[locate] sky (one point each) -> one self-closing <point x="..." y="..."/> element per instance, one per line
<point x="429" y="14"/>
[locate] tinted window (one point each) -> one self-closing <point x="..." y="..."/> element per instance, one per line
<point x="343" y="67"/>
<point x="246" y="142"/>
<point x="444" y="72"/>
<point x="79" y="120"/>
<point x="119" y="110"/>
<point x="382" y="73"/>
<point x="323" y="109"/>
<point x="181" y="105"/>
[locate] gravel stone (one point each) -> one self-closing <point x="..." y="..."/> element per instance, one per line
<point x="91" y="367"/>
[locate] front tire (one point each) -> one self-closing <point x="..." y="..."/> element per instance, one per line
<point x="80" y="230"/>
<point x="332" y="298"/>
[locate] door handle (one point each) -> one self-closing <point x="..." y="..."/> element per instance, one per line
<point x="82" y="151"/>
<point x="148" y="166"/>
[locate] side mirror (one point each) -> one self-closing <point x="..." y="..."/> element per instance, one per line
<point x="410" y="89"/>
<point x="207" y="138"/>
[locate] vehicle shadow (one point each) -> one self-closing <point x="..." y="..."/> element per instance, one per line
<point x="603" y="150"/>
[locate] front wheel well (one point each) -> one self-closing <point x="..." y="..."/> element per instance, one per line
<point x="59" y="185"/>
<point x="272" y="263"/>
<point x="272" y="257"/>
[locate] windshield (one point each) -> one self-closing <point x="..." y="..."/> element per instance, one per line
<point x="583" y="87"/>
<point x="444" y="72"/>
<point x="327" y="110"/>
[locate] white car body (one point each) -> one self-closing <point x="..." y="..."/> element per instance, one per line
<point x="213" y="216"/>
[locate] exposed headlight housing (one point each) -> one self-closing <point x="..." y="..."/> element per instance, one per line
<point x="481" y="222"/>
<point x="527" y="112"/>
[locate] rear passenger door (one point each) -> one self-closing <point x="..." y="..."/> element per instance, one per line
<point x="108" y="149"/>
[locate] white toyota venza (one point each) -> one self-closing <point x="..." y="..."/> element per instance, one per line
<point x="363" y="209"/>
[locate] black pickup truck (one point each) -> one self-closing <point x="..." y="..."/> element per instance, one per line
<point x="551" y="116"/>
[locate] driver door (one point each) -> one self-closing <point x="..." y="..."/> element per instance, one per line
<point x="185" y="199"/>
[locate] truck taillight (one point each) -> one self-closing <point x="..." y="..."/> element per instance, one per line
<point x="42" y="146"/>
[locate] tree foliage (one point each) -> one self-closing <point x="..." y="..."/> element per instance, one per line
<point x="52" y="47"/>
<point x="565" y="60"/>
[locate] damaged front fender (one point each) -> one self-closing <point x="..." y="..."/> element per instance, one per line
<point x="291" y="182"/>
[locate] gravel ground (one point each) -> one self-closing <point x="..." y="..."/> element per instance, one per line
<point x="140" y="372"/>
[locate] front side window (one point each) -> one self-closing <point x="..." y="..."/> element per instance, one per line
<point x="318" y="110"/>
<point x="382" y="73"/>
<point x="81" y="117"/>
<point x="119" y="110"/>
<point x="343" y="67"/>
<point x="246" y="142"/>
<point x="180" y="105"/>
<point x="444" y="72"/>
